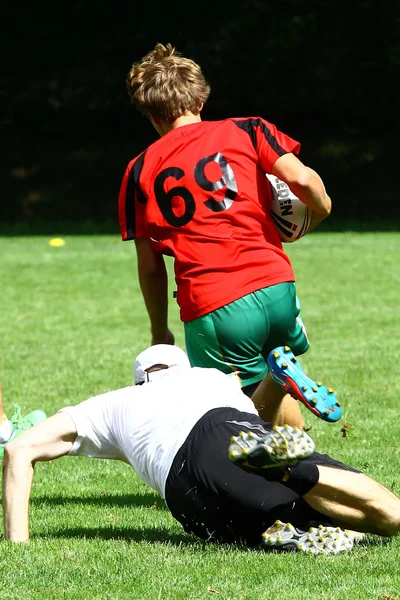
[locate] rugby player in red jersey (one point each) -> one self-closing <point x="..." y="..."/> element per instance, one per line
<point x="200" y="195"/>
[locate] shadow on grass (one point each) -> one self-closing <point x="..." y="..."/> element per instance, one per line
<point x="122" y="501"/>
<point x="166" y="536"/>
<point x="159" y="535"/>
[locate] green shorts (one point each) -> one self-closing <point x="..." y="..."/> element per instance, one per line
<point x="239" y="336"/>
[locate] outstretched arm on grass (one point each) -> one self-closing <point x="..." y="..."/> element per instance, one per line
<point x="46" y="441"/>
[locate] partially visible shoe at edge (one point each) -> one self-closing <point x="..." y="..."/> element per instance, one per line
<point x="20" y="423"/>
<point x="288" y="374"/>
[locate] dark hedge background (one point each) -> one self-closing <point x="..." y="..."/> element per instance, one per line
<point x="325" y="72"/>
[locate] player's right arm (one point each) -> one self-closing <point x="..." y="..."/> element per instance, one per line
<point x="153" y="279"/>
<point x="46" y="441"/>
<point x="277" y="155"/>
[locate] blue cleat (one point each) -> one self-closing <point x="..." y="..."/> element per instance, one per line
<point x="288" y="374"/>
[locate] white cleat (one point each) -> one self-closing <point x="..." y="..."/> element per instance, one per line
<point x="317" y="540"/>
<point x="282" y="446"/>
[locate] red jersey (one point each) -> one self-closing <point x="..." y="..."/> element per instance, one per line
<point x="200" y="194"/>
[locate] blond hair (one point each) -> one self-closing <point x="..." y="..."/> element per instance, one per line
<point x="167" y="85"/>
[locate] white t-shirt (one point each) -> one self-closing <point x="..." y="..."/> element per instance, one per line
<point x="146" y="425"/>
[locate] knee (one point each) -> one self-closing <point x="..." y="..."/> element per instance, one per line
<point x="386" y="517"/>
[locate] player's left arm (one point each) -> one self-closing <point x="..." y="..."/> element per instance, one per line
<point x="48" y="440"/>
<point x="306" y="184"/>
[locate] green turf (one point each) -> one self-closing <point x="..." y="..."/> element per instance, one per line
<point x="71" y="322"/>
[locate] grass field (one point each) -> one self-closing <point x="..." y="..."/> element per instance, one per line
<point x="71" y="322"/>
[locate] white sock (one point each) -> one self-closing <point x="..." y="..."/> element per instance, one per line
<point x="5" y="431"/>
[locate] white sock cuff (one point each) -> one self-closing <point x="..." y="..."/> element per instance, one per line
<point x="5" y="431"/>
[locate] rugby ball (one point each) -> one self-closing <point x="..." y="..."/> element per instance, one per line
<point x="291" y="216"/>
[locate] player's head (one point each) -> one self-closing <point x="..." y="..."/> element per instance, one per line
<point x="165" y="85"/>
<point x="155" y="360"/>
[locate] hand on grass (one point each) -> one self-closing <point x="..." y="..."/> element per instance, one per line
<point x="167" y="337"/>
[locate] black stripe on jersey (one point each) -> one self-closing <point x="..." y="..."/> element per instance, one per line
<point x="137" y="169"/>
<point x="249" y="126"/>
<point x="132" y="193"/>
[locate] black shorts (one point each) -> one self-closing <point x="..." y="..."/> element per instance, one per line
<point x="217" y="501"/>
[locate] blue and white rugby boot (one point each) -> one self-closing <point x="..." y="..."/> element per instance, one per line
<point x="288" y="374"/>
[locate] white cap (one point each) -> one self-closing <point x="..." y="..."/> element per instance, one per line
<point x="164" y="354"/>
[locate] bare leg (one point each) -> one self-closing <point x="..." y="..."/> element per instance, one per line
<point x="275" y="406"/>
<point x="355" y="501"/>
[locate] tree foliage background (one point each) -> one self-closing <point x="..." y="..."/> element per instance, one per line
<point x="326" y="73"/>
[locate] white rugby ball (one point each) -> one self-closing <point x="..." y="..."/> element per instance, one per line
<point x="292" y="217"/>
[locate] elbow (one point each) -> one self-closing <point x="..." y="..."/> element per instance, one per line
<point x="309" y="187"/>
<point x="151" y="269"/>
<point x="17" y="450"/>
<point x="9" y="453"/>
<point x="326" y="207"/>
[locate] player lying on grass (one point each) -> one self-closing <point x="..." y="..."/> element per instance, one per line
<point x="200" y="194"/>
<point x="185" y="432"/>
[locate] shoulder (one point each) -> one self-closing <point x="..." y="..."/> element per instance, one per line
<point x="253" y="121"/>
<point x="107" y="401"/>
